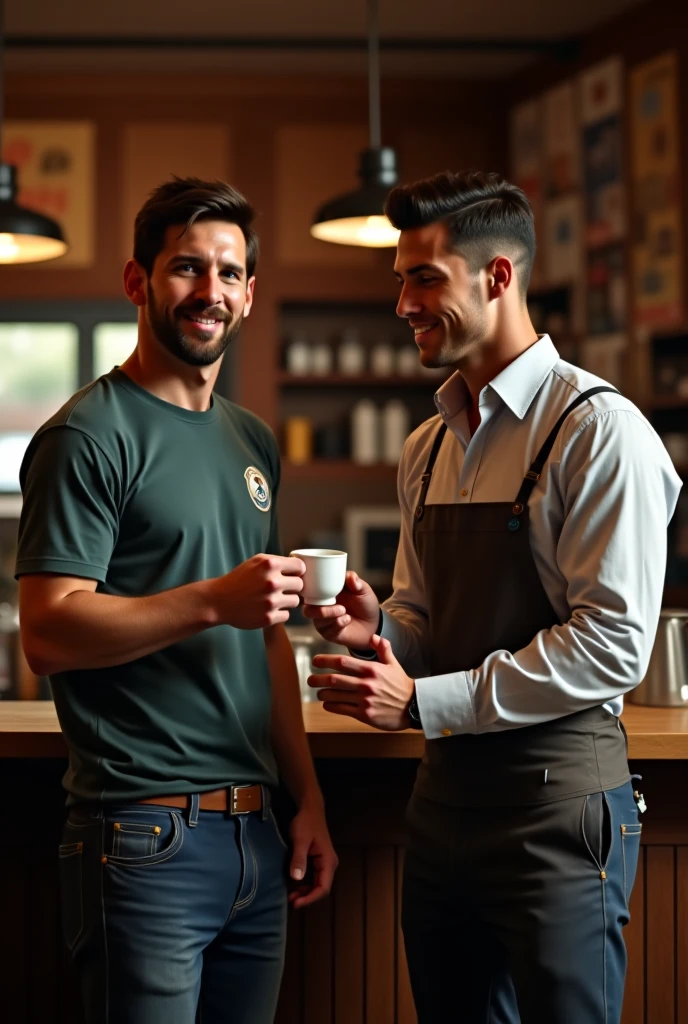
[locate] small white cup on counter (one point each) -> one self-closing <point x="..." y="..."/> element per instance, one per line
<point x="325" y="574"/>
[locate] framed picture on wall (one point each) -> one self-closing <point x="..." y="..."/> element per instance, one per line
<point x="371" y="537"/>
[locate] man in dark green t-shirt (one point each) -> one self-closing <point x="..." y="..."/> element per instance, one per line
<point x="153" y="594"/>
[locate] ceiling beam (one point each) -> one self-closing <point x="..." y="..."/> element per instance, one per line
<point x="564" y="49"/>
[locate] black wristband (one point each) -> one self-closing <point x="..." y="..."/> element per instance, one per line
<point x="367" y="654"/>
<point x="414" y="713"/>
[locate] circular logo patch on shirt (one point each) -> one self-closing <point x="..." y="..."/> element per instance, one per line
<point x="258" y="488"/>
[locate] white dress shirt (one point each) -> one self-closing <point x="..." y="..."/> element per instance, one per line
<point x="598" y="527"/>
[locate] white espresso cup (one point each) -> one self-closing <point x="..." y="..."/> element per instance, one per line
<point x="325" y="574"/>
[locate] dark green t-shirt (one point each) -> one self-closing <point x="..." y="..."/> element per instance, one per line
<point x="143" y="496"/>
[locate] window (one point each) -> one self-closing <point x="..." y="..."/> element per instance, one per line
<point x="48" y="350"/>
<point x="40" y="363"/>
<point x="112" y="344"/>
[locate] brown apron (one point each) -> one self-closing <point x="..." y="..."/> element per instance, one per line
<point x="484" y="594"/>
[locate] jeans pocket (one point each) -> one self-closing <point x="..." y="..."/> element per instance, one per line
<point x="630" y="851"/>
<point x="71" y="892"/>
<point x="135" y="838"/>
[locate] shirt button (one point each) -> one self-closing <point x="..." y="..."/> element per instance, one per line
<point x="464" y="492"/>
<point x="446" y="732"/>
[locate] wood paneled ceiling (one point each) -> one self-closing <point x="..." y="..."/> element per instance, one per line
<point x="450" y="21"/>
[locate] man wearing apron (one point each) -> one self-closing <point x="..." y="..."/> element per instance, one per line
<point x="527" y="591"/>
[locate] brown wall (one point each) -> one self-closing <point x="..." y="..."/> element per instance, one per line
<point x="289" y="143"/>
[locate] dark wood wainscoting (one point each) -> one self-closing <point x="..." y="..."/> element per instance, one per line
<point x="345" y="960"/>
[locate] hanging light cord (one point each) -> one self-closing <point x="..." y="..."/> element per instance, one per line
<point x="373" y="74"/>
<point x="2" y="47"/>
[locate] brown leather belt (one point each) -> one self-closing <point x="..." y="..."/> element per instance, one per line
<point x="231" y="800"/>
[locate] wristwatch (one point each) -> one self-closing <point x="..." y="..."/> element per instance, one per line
<point x="414" y="713"/>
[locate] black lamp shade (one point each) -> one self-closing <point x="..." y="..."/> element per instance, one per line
<point x="25" y="236"/>
<point x="358" y="218"/>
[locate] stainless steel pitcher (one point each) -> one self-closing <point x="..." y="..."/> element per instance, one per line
<point x="666" y="682"/>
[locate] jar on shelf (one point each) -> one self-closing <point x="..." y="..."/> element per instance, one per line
<point x="382" y="359"/>
<point x="396" y="424"/>
<point x="365" y="427"/>
<point x="408" y="364"/>
<point x="297" y="355"/>
<point x="321" y="359"/>
<point x="351" y="354"/>
<point x="298" y="439"/>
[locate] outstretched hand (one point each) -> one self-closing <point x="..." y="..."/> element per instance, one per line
<point x="374" y="692"/>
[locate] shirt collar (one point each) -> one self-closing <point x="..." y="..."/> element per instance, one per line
<point x="517" y="385"/>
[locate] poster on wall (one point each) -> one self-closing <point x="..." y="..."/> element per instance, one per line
<point x="601" y="90"/>
<point x="656" y="239"/>
<point x="55" y="162"/>
<point x="607" y="294"/>
<point x="561" y="142"/>
<point x="527" y="164"/>
<point x="562" y="240"/>
<point x="605" y="356"/>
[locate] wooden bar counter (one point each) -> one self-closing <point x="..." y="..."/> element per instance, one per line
<point x="345" y="961"/>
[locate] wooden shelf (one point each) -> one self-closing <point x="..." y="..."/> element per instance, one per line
<point x="336" y="469"/>
<point x="337" y="380"/>
<point x="667" y="402"/>
<point x="675" y="595"/>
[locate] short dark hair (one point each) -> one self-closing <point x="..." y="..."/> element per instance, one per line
<point x="482" y="212"/>
<point x="184" y="201"/>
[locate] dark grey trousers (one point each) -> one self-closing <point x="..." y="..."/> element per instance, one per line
<point x="516" y="914"/>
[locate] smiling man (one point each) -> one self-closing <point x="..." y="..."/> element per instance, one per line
<point x="153" y="593"/>
<point x="527" y="591"/>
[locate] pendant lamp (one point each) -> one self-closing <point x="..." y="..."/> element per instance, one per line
<point x="358" y="218"/>
<point x="25" y="236"/>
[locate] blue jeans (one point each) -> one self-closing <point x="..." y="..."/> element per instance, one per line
<point x="516" y="914"/>
<point x="174" y="917"/>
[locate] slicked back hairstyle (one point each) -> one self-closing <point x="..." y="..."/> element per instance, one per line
<point x="184" y="201"/>
<point x="485" y="216"/>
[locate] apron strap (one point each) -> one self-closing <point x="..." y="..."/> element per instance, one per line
<point x="533" y="474"/>
<point x="425" y="479"/>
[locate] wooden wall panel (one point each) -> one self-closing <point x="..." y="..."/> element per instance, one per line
<point x="315" y="162"/>
<point x="682" y="934"/>
<point x="406" y="1011"/>
<point x="317" y="963"/>
<point x="345" y="962"/>
<point x="380" y="935"/>
<point x="347" y="896"/>
<point x="152" y="151"/>
<point x="290" y="1006"/>
<point x="660" y="964"/>
<point x="634" y="995"/>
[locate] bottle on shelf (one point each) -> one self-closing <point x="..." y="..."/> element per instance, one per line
<point x="298" y="439"/>
<point x="382" y="359"/>
<point x="298" y="355"/>
<point x="321" y="359"/>
<point x="351" y="355"/>
<point x="408" y="363"/>
<point x="365" y="427"/>
<point x="396" y="423"/>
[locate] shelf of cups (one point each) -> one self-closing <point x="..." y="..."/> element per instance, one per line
<point x="334" y="380"/>
<point x="337" y="469"/>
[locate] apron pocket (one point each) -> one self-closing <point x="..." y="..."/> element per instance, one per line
<point x="596" y="826"/>
<point x="71" y="892"/>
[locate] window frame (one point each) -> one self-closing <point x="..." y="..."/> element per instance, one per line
<point x="85" y="315"/>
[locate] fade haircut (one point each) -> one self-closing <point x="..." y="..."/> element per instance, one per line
<point x="184" y="201"/>
<point x="485" y="216"/>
